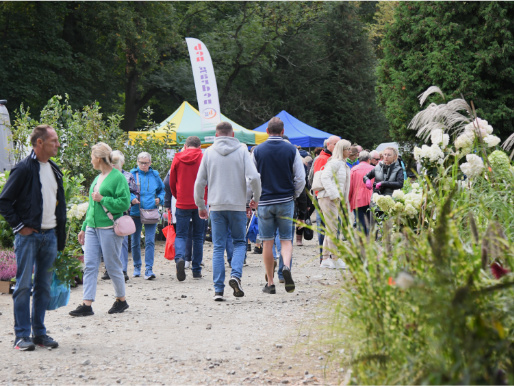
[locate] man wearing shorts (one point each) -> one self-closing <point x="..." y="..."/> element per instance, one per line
<point x="283" y="179"/>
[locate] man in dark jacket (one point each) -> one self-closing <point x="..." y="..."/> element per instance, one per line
<point x="33" y="203"/>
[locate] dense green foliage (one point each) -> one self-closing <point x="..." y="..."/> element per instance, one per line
<point x="467" y="47"/>
<point x="311" y="59"/>
<point x="430" y="300"/>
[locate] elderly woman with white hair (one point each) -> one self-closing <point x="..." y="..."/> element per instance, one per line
<point x="150" y="194"/>
<point x="335" y="178"/>
<point x="118" y="160"/>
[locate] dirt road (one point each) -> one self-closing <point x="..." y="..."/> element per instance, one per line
<point x="174" y="333"/>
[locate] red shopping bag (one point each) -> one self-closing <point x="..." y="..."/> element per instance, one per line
<point x="169" y="250"/>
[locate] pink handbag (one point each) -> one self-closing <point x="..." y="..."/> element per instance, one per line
<point x="123" y="226"/>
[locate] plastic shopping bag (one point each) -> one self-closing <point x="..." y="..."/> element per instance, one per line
<point x="169" y="250"/>
<point x="59" y="294"/>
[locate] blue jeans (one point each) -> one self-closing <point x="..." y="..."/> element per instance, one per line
<point x="124" y="254"/>
<point x="106" y="243"/>
<point x="36" y="251"/>
<point x="184" y="217"/>
<point x="189" y="243"/>
<point x="363" y="214"/>
<point x="149" y="244"/>
<point x="230" y="247"/>
<point x="277" y="249"/>
<point x="276" y="216"/>
<point x="221" y="222"/>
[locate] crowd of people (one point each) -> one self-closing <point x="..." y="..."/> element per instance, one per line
<point x="226" y="184"/>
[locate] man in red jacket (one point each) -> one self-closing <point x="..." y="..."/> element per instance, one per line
<point x="184" y="169"/>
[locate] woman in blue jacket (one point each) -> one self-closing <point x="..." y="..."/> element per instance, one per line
<point x="151" y="194"/>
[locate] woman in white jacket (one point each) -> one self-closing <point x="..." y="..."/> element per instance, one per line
<point x="335" y="178"/>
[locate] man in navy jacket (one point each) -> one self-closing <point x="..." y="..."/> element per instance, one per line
<point x="33" y="203"/>
<point x="283" y="180"/>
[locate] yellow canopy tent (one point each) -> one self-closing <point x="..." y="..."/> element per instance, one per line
<point x="186" y="121"/>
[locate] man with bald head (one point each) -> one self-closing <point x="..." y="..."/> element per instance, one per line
<point x="374" y="157"/>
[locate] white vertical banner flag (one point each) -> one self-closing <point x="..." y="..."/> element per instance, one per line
<point x="205" y="84"/>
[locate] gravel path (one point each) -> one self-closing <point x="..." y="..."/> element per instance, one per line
<point x="174" y="333"/>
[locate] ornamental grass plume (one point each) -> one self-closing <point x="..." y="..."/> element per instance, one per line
<point x="7" y="265"/>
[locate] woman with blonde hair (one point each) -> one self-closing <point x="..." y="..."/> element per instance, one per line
<point x="109" y="194"/>
<point x="118" y="160"/>
<point x="388" y="174"/>
<point x="335" y="178"/>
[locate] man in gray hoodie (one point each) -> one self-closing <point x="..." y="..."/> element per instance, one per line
<point x="226" y="167"/>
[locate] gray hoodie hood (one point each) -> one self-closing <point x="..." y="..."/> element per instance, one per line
<point x="226" y="145"/>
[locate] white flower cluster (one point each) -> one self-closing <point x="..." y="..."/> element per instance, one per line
<point x="77" y="211"/>
<point x="473" y="167"/>
<point x="464" y="142"/>
<point x="432" y="154"/>
<point x="400" y="202"/>
<point x="438" y="138"/>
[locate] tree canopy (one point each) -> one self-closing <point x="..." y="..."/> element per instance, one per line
<point x="312" y="59"/>
<point x="465" y="48"/>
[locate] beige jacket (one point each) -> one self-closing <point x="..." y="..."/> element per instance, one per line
<point x="336" y="180"/>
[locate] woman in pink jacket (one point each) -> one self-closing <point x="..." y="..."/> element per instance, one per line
<point x="359" y="195"/>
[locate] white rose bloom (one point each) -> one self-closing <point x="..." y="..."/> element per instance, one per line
<point x="415" y="186"/>
<point x="492" y="140"/>
<point x="398" y="194"/>
<point x="473" y="167"/>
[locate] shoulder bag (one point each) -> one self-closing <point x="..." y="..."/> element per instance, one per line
<point x="317" y="185"/>
<point x="123" y="226"/>
<point x="148" y="216"/>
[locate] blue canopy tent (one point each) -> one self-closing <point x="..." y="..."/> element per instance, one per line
<point x="299" y="133"/>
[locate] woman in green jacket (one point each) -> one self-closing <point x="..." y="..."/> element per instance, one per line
<point x="108" y="193"/>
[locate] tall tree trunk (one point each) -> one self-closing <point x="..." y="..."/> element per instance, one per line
<point x="131" y="100"/>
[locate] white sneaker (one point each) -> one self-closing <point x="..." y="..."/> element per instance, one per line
<point x="339" y="264"/>
<point x="327" y="263"/>
<point x="187" y="264"/>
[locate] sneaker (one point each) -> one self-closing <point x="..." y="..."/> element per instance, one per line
<point x="45" y="341"/>
<point x="149" y="275"/>
<point x="82" y="310"/>
<point x="281" y="280"/>
<point x="218" y="297"/>
<point x="187" y="264"/>
<point x="106" y="276"/>
<point x="118" y="307"/>
<point x="24" y="344"/>
<point x="339" y="264"/>
<point x="137" y="272"/>
<point x="257" y="250"/>
<point x="274" y="269"/>
<point x="288" y="279"/>
<point x="197" y="275"/>
<point x="235" y="283"/>
<point x="269" y="289"/>
<point x="126" y="276"/>
<point x="327" y="263"/>
<point x="181" y="274"/>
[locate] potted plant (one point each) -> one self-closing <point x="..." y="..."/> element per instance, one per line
<point x="7" y="270"/>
